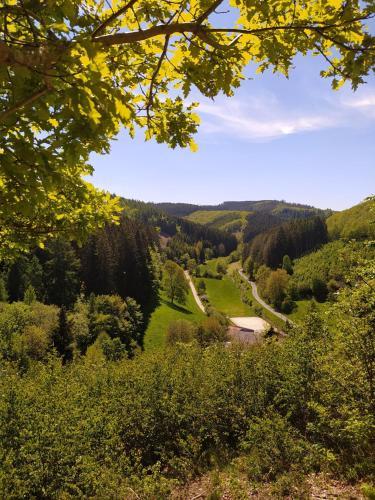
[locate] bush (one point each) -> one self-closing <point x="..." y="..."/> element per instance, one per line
<point x="258" y="311"/>
<point x="180" y="331"/>
<point x="201" y="287"/>
<point x="287" y="305"/>
<point x="273" y="447"/>
<point x="211" y="330"/>
<point x="319" y="290"/>
<point x="304" y="291"/>
<point x="221" y="267"/>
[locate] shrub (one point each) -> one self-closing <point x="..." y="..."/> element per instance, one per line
<point x="211" y="330"/>
<point x="201" y="287"/>
<point x="273" y="447"/>
<point x="319" y="290"/>
<point x="287" y="305"/>
<point x="221" y="267"/>
<point x="304" y="291"/>
<point x="180" y="331"/>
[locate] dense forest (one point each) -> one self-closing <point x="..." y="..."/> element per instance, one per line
<point x="275" y="207"/>
<point x="293" y="238"/>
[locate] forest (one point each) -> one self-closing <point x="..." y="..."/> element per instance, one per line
<point x="124" y="370"/>
<point x="72" y="326"/>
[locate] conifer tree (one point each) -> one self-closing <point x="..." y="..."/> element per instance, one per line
<point x="61" y="273"/>
<point x="62" y="337"/>
<point x="3" y="291"/>
<point x="287" y="264"/>
<point x="16" y="280"/>
<point x="35" y="277"/>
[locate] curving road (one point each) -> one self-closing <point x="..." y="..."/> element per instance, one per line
<point x="195" y="293"/>
<point x="259" y="299"/>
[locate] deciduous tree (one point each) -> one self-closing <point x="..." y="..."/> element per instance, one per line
<point x="174" y="282"/>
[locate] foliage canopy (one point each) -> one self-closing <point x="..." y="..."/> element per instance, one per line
<point x="73" y="72"/>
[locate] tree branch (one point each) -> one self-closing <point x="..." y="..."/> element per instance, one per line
<point x="209" y="11"/>
<point x="24" y="102"/>
<point x="114" y="16"/>
<point x="194" y="27"/>
<point x="138" y="36"/>
<point x="155" y="74"/>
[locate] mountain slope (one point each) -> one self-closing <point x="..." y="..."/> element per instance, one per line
<point x="281" y="208"/>
<point x="357" y="222"/>
<point x="227" y="220"/>
<point x="246" y="217"/>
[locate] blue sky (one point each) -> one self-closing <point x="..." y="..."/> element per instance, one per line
<point x="292" y="139"/>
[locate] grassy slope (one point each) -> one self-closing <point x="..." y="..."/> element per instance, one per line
<point x="356" y="222"/>
<point x="162" y="317"/>
<point x="225" y="297"/>
<point x="220" y="219"/>
<point x="299" y="314"/>
<point x="212" y="264"/>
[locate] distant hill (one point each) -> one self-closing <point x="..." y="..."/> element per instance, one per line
<point x="356" y="222"/>
<point x="247" y="218"/>
<point x="227" y="220"/>
<point x="275" y="207"/>
<point x="170" y="226"/>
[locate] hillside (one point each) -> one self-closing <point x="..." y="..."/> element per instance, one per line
<point x="245" y="219"/>
<point x="227" y="220"/>
<point x="357" y="222"/>
<point x="281" y="208"/>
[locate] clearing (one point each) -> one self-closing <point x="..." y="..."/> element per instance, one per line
<point x="164" y="314"/>
<point x="225" y="297"/>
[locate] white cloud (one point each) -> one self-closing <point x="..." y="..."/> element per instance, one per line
<point x="255" y="123"/>
<point x="367" y="101"/>
<point x="264" y="118"/>
<point x="363" y="104"/>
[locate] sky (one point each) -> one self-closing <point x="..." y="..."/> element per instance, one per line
<point x="293" y="139"/>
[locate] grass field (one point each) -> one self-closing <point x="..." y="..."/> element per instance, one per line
<point x="210" y="265"/>
<point x="231" y="220"/>
<point x="298" y="315"/>
<point x="162" y="316"/>
<point x="225" y="297"/>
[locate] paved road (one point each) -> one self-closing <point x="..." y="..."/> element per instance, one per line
<point x="195" y="294"/>
<point x="259" y="299"/>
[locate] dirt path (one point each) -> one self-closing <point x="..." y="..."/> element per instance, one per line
<point x="195" y="293"/>
<point x="259" y="299"/>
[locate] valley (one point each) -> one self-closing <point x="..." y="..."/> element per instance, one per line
<point x="200" y="350"/>
<point x="121" y="318"/>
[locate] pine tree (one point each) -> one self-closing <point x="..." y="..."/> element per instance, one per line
<point x="91" y="317"/>
<point x="30" y="295"/>
<point x="16" y="280"/>
<point x="35" y="277"/>
<point x="62" y="337"/>
<point x="3" y="291"/>
<point x="287" y="264"/>
<point x="61" y="273"/>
